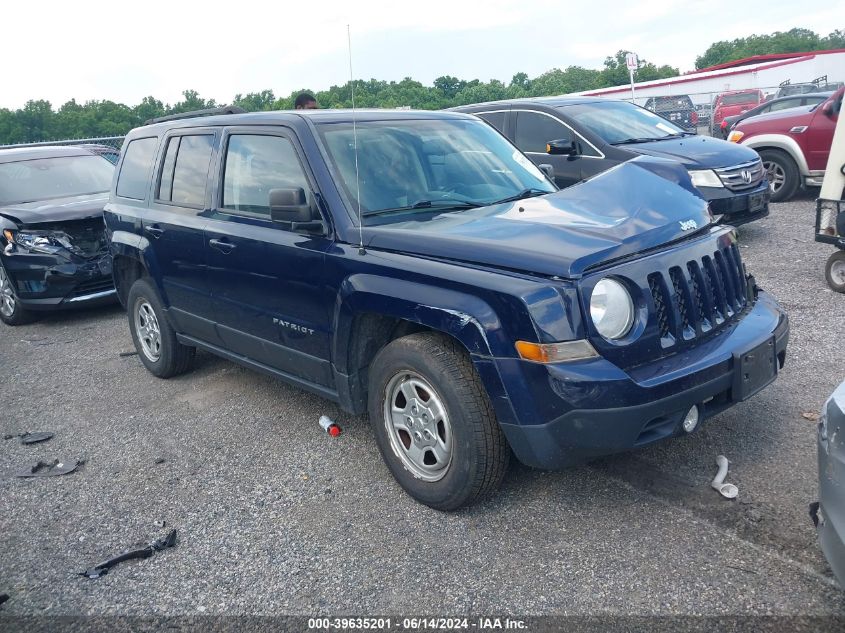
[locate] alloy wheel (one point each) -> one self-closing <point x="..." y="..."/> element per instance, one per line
<point x="147" y="328"/>
<point x="776" y="175"/>
<point x="418" y="426"/>
<point x="7" y="297"/>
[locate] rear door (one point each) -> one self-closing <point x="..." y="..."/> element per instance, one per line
<point x="496" y="118"/>
<point x="267" y="282"/>
<point x="174" y="228"/>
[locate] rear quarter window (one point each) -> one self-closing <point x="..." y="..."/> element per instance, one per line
<point x="134" y="178"/>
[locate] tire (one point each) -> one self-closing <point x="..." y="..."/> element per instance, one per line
<point x="834" y="271"/>
<point x="154" y="338"/>
<point x="782" y="173"/>
<point x="11" y="311"/>
<point x="461" y="453"/>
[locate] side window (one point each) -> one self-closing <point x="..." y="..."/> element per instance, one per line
<point x="135" y="171"/>
<point x="784" y="105"/>
<point x="184" y="173"/>
<point x="255" y="165"/>
<point x="496" y="119"/>
<point x="534" y="130"/>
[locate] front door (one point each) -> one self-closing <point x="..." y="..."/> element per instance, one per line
<point x="267" y="281"/>
<point x="533" y="131"/>
<point x="820" y="135"/>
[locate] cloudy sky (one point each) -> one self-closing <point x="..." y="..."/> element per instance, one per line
<point x="92" y="49"/>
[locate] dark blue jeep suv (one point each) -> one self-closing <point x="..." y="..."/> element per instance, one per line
<point x="417" y="266"/>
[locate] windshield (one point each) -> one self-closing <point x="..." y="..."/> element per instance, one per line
<point x="671" y="103"/>
<point x="622" y="122"/>
<point x="45" y="178"/>
<point x="742" y="98"/>
<point x="423" y="167"/>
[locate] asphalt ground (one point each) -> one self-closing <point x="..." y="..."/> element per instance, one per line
<point x="275" y="517"/>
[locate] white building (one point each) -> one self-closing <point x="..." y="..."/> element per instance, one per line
<point x="766" y="72"/>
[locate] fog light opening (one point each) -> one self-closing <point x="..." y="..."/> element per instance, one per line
<point x="691" y="419"/>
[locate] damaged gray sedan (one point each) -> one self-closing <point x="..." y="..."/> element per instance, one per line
<point x="53" y="251"/>
<point x="828" y="513"/>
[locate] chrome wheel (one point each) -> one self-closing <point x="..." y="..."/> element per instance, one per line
<point x="147" y="329"/>
<point x="418" y="426"/>
<point x="7" y="297"/>
<point x="837" y="272"/>
<point x="775" y="174"/>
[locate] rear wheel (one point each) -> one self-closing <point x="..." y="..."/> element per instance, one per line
<point x="782" y="173"/>
<point x="434" y="423"/>
<point x="11" y="311"/>
<point x="154" y="338"/>
<point x="834" y="271"/>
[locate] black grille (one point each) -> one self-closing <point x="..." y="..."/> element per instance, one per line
<point x="655" y="283"/>
<point x="700" y="296"/>
<point x="680" y="296"/>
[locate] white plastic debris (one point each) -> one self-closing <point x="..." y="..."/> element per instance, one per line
<point x="329" y="426"/>
<point x="728" y="491"/>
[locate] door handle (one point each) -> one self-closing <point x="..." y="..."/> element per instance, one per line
<point x="223" y="247"/>
<point x="155" y="230"/>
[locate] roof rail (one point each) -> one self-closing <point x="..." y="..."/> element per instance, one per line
<point x="196" y="113"/>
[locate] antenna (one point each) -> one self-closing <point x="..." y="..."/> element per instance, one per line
<point x="361" y="250"/>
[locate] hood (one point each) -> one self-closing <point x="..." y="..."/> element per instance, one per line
<point x="57" y="209"/>
<point x="696" y="152"/>
<point x="620" y="212"/>
<point x="789" y="115"/>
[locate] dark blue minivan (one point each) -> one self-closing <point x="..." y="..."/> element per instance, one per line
<point x="583" y="136"/>
<point x="418" y="267"/>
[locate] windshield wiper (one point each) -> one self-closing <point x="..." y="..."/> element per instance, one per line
<point x="525" y="193"/>
<point x="644" y="139"/>
<point x="440" y="205"/>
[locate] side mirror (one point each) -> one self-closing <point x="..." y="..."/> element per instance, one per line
<point x="547" y="169"/>
<point x="290" y="206"/>
<point x="564" y="147"/>
<point x="827" y="108"/>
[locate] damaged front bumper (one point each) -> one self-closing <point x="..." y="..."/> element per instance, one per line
<point x="45" y="281"/>
<point x="829" y="513"/>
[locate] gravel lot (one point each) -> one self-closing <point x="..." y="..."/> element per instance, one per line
<point x="275" y="517"/>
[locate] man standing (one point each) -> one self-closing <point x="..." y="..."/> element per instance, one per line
<point x="305" y="101"/>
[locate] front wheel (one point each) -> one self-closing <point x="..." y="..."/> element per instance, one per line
<point x="834" y="271"/>
<point x="11" y="311"/>
<point x="782" y="173"/>
<point x="433" y="422"/>
<point x="154" y="338"/>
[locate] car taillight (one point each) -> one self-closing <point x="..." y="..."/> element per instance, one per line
<point x="724" y="124"/>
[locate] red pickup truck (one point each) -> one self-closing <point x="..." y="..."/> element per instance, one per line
<point x="793" y="144"/>
<point x="732" y="103"/>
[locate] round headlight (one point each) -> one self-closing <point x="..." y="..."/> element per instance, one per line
<point x="611" y="309"/>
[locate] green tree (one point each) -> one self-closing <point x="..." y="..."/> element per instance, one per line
<point x="149" y="108"/>
<point x="615" y="72"/>
<point x="792" y="41"/>
<point x="256" y="101"/>
<point x="192" y="101"/>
